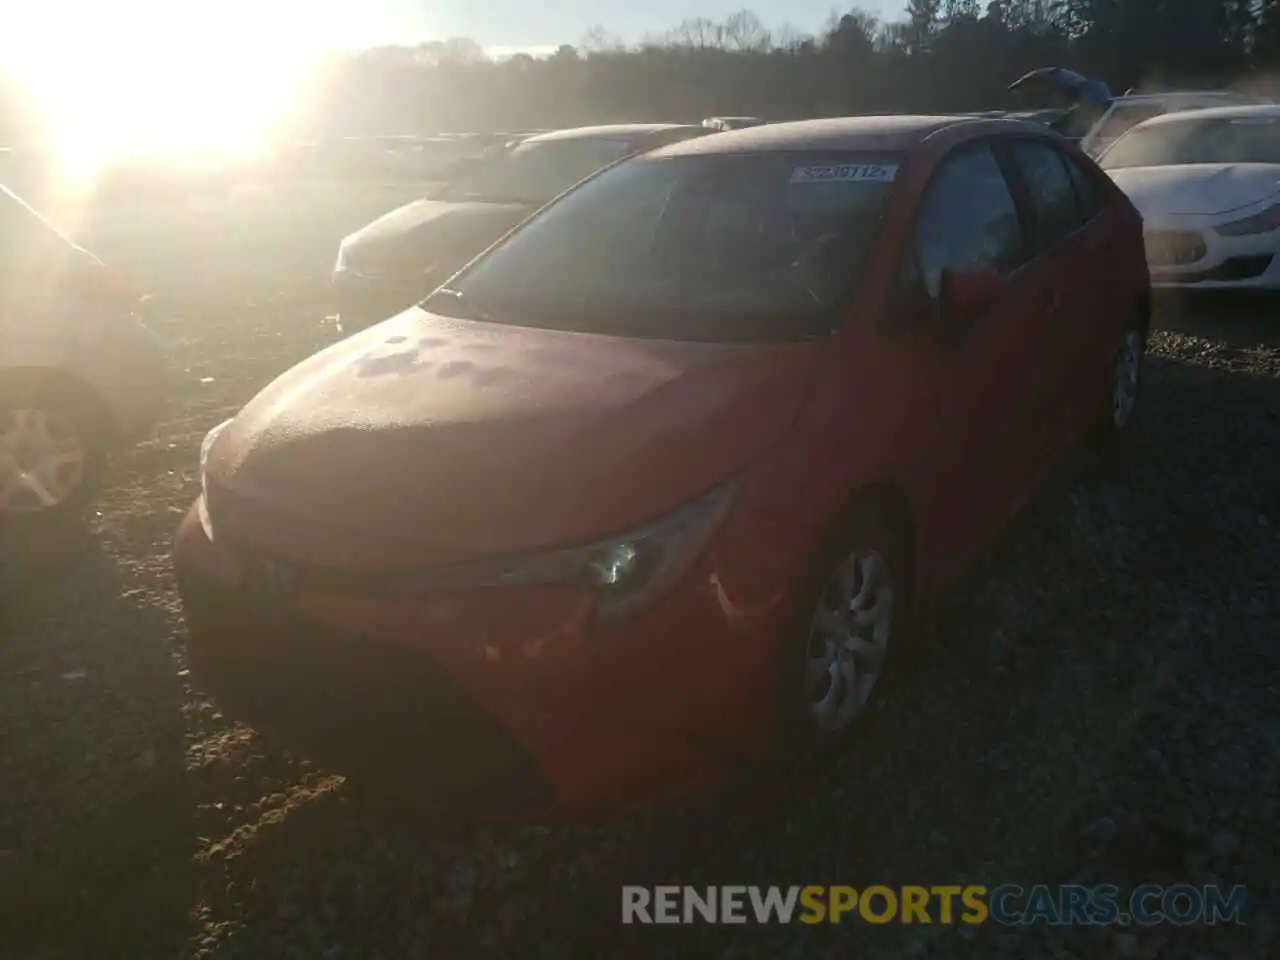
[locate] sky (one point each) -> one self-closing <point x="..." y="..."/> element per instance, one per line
<point x="528" y="23"/>
<point x="498" y="25"/>
<point x="190" y="76"/>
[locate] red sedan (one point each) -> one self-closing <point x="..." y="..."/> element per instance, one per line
<point x="646" y="490"/>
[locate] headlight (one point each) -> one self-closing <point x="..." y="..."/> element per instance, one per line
<point x="1264" y="222"/>
<point x="202" y="507"/>
<point x="626" y="571"/>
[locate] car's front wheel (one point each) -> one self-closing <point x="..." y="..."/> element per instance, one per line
<point x="52" y="454"/>
<point x="851" y="622"/>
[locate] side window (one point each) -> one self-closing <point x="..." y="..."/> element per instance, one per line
<point x="968" y="219"/>
<point x="1088" y="191"/>
<point x="1120" y="119"/>
<point x="1054" y="213"/>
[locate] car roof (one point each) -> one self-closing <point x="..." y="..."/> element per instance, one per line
<point x="612" y="131"/>
<point x="1235" y="112"/>
<point x="893" y="133"/>
<point x="1175" y="95"/>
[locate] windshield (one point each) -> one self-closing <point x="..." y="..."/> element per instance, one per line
<point x="701" y="247"/>
<point x="534" y="173"/>
<point x="1189" y="140"/>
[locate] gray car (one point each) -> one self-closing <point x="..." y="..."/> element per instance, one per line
<point x="395" y="261"/>
<point x="80" y="374"/>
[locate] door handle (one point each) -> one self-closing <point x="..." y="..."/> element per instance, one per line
<point x="1055" y="301"/>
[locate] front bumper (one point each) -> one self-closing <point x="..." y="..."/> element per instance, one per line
<point x="502" y="704"/>
<point x="1187" y="253"/>
<point x="375" y="710"/>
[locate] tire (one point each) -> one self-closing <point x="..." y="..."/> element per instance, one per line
<point x="57" y="418"/>
<point x="868" y="546"/>
<point x="1113" y="430"/>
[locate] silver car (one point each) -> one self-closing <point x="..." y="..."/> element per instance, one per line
<point x="80" y="374"/>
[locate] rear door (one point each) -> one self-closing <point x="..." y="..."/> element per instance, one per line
<point x="1109" y="279"/>
<point x="980" y="376"/>
<point x="1068" y="261"/>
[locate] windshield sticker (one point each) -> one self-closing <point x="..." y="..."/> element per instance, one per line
<point x="846" y="173"/>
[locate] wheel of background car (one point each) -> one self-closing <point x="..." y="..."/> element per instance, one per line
<point x="1115" y="418"/>
<point x="849" y="622"/>
<point x="52" y="452"/>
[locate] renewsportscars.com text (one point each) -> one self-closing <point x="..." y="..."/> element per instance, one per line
<point x="1008" y="904"/>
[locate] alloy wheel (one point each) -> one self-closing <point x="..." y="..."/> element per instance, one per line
<point x="42" y="460"/>
<point x="1126" y="379"/>
<point x="848" y="639"/>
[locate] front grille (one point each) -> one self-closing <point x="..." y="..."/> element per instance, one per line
<point x="1174" y="248"/>
<point x="386" y="714"/>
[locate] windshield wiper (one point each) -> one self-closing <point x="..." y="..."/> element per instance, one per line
<point x="454" y="303"/>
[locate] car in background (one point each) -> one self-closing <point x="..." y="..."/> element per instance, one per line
<point x="1091" y="116"/>
<point x="80" y="375"/>
<point x="731" y="123"/>
<point x="648" y="489"/>
<point x="1207" y="183"/>
<point x="1074" y="102"/>
<point x="1126" y="111"/>
<point x="395" y="261"/>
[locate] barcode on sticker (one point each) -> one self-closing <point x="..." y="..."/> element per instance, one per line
<point x="846" y="173"/>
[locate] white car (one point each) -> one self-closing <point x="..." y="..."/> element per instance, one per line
<point x="1125" y="112"/>
<point x="1088" y="113"/>
<point x="80" y="375"/>
<point x="1207" y="183"/>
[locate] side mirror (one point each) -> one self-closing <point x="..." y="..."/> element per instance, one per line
<point x="967" y="291"/>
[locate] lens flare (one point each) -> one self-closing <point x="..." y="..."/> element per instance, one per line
<point x="161" y="79"/>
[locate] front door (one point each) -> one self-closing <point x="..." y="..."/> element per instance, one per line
<point x="978" y="455"/>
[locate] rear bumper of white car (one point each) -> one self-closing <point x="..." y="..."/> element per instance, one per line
<point x="1186" y="252"/>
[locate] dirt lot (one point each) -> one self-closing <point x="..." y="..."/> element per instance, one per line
<point x="1098" y="705"/>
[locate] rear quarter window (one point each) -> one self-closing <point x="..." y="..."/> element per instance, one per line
<point x="1055" y="212"/>
<point x="1089" y="190"/>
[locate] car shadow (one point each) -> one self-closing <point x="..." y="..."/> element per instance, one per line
<point x="1239" y="320"/>
<point x="95" y="852"/>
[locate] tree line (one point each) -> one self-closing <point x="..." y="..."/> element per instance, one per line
<point x="944" y="55"/>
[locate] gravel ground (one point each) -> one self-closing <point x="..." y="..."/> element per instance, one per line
<point x="1097" y="705"/>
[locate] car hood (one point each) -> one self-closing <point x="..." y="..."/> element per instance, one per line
<point x="426" y="439"/>
<point x="1203" y="188"/>
<point x="415" y="235"/>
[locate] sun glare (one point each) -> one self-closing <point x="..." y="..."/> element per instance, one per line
<point x="155" y="77"/>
